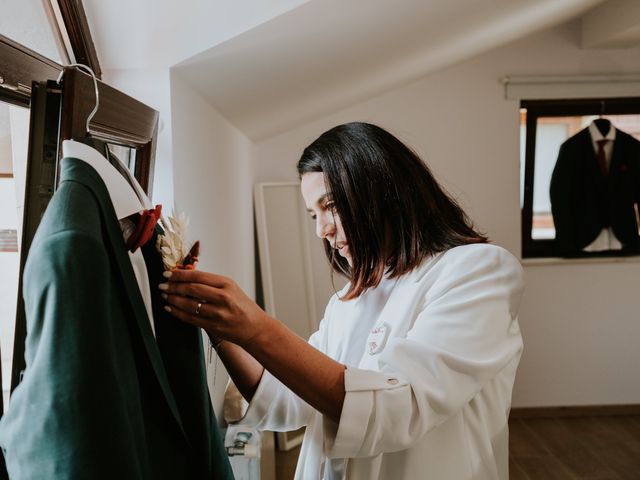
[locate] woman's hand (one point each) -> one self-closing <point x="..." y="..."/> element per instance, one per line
<point x="215" y="303"/>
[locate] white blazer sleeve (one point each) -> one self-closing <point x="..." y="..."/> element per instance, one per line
<point x="276" y="408"/>
<point x="465" y="332"/>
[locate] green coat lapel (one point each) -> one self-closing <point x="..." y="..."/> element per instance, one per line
<point x="78" y="171"/>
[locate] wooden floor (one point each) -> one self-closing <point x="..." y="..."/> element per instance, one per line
<point x="575" y="448"/>
<point x="562" y="448"/>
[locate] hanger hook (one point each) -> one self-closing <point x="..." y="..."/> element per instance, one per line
<point x="95" y="85"/>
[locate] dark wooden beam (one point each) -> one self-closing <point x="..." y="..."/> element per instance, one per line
<point x="19" y="66"/>
<point x="75" y="22"/>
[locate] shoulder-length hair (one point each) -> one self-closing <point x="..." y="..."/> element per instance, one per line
<point x="393" y="211"/>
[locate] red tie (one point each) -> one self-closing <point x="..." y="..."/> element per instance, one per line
<point x="145" y="226"/>
<point x="602" y="157"/>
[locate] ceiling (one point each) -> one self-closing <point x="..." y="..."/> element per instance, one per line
<point x="268" y="66"/>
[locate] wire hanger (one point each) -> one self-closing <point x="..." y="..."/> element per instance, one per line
<point x="95" y="85"/>
<point x="96" y="143"/>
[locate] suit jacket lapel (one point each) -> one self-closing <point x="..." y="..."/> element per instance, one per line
<point x="76" y="170"/>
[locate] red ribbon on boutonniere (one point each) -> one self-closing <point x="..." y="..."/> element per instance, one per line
<point x="145" y="227"/>
<point x="190" y="260"/>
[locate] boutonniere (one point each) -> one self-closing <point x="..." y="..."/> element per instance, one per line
<point x="172" y="244"/>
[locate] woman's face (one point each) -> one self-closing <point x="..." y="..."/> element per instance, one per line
<point x="321" y="208"/>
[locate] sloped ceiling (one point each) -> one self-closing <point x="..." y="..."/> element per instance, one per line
<point x="269" y="70"/>
<point x="148" y="34"/>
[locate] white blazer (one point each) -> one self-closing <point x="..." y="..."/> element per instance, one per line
<point x="431" y="394"/>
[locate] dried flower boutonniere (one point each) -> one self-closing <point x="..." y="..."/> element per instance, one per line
<point x="172" y="244"/>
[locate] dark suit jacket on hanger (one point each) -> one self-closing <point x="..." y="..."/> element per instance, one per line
<point x="583" y="201"/>
<point x="100" y="397"/>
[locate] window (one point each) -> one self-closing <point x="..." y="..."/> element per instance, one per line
<point x="572" y="207"/>
<point x="29" y="54"/>
<point x="14" y="130"/>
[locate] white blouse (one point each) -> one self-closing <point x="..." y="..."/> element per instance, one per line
<point x="431" y="360"/>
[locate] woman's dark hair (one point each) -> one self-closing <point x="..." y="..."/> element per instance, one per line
<point x="393" y="211"/>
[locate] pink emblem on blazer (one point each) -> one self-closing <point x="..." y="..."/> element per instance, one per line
<point x="378" y="338"/>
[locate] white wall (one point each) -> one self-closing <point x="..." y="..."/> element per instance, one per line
<point x="579" y="322"/>
<point x="152" y="87"/>
<point x="213" y="185"/>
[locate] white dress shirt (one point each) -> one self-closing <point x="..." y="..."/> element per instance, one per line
<point x="431" y="361"/>
<point x="606" y="239"/>
<point x="127" y="198"/>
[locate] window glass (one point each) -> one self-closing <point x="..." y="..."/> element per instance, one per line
<point x="14" y="131"/>
<point x="126" y="155"/>
<point x="26" y="22"/>
<point x="551" y="133"/>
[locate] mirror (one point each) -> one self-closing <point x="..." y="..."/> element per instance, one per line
<point x="292" y="261"/>
<point x="580" y="194"/>
<point x="295" y="275"/>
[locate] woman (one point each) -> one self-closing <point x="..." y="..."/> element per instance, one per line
<point x="410" y="373"/>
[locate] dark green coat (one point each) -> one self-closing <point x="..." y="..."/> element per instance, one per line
<point x="100" y="397"/>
